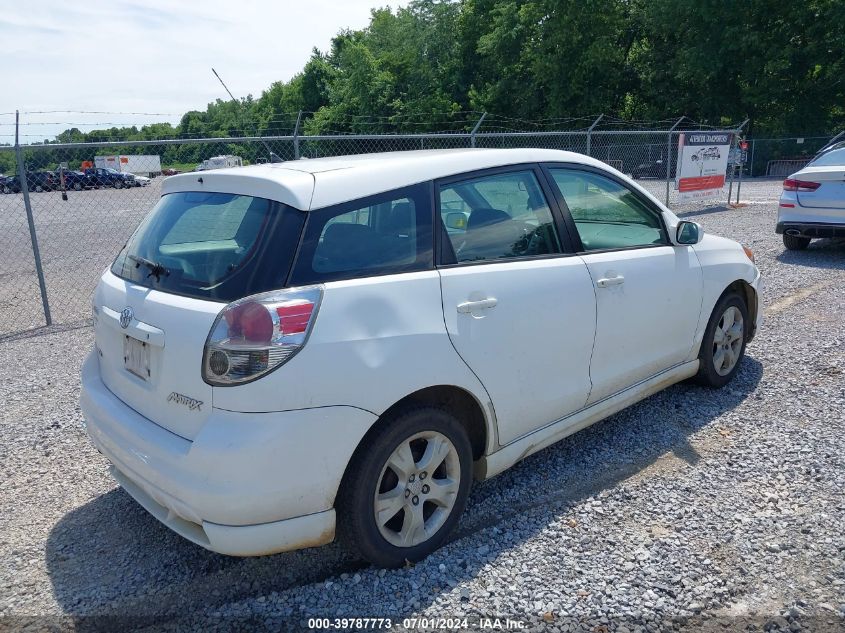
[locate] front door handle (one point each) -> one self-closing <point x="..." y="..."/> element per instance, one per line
<point x="610" y="281"/>
<point x="482" y="304"/>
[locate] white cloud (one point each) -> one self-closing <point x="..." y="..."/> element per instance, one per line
<point x="154" y="56"/>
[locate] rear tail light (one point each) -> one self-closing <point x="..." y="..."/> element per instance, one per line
<point x="255" y="335"/>
<point x="791" y="184"/>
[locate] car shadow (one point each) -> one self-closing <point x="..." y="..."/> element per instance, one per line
<point x="113" y="566"/>
<point x="822" y="253"/>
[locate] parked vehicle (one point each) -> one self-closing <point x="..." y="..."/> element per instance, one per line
<point x="141" y="181"/>
<point x="650" y="169"/>
<point x="105" y="177"/>
<point x="813" y="200"/>
<point x="144" y="165"/>
<point x="292" y="351"/>
<point x="11" y="184"/>
<point x="220" y="162"/>
<point x="75" y="180"/>
<point x="37" y="181"/>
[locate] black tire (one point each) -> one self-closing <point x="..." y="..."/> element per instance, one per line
<point x="118" y="184"/>
<point x="795" y="242"/>
<point x="708" y="375"/>
<point x="77" y="186"/>
<point x="39" y="189"/>
<point x="357" y="528"/>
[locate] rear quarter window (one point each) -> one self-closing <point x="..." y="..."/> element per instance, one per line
<point x="378" y="235"/>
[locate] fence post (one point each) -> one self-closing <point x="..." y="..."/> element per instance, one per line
<point x="731" y="170"/>
<point x="475" y="129"/>
<point x="669" y="155"/>
<point x="590" y="132"/>
<point x="732" y="166"/>
<point x="296" y="136"/>
<point x="751" y="168"/>
<point x="36" y="253"/>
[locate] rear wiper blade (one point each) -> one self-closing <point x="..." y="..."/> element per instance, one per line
<point x="156" y="269"/>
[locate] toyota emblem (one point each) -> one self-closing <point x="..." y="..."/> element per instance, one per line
<point x="125" y="317"/>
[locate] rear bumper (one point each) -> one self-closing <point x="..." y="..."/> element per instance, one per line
<point x="811" y="229"/>
<point x="237" y="540"/>
<point x="248" y="484"/>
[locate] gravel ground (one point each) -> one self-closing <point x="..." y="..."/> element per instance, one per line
<point x="693" y="510"/>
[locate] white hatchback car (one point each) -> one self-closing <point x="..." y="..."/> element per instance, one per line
<point x="289" y="350"/>
<point x="813" y="200"/>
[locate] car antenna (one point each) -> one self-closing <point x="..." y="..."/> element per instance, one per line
<point x="274" y="158"/>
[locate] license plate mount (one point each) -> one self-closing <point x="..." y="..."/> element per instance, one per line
<point x="136" y="357"/>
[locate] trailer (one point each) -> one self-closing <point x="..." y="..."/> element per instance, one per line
<point x="140" y="165"/>
<point x="220" y="162"/>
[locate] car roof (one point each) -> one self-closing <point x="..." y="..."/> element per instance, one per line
<point x="316" y="183"/>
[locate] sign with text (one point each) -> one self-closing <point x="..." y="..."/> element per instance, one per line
<point x="702" y="163"/>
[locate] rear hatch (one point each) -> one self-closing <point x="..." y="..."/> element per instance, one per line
<point x="153" y="364"/>
<point x="194" y="253"/>
<point x="831" y="191"/>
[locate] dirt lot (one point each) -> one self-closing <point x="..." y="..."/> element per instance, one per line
<point x="694" y="509"/>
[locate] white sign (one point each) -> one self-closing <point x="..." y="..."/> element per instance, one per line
<point x="702" y="163"/>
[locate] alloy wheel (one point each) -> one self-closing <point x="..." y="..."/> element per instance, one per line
<point x="727" y="341"/>
<point x="417" y="489"/>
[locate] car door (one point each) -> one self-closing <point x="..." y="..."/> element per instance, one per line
<point x="648" y="292"/>
<point x="518" y="309"/>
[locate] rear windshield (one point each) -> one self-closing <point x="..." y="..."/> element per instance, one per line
<point x="212" y="246"/>
<point x="831" y="158"/>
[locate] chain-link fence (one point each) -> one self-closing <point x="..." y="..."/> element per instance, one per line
<point x="85" y="199"/>
<point x="780" y="157"/>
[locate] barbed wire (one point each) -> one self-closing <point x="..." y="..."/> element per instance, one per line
<point x="100" y="112"/>
<point x="323" y="123"/>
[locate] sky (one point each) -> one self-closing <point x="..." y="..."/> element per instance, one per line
<point x="153" y="56"/>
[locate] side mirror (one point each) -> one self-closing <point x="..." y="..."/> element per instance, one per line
<point x="456" y="220"/>
<point x="689" y="232"/>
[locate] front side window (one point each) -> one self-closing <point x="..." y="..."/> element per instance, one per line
<point x="607" y="214"/>
<point x="382" y="234"/>
<point x="212" y="246"/>
<point x="495" y="217"/>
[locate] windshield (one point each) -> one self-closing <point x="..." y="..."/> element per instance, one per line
<point x="833" y="157"/>
<point x="212" y="246"/>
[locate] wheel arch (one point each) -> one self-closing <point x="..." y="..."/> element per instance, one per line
<point x="457" y="400"/>
<point x="749" y="294"/>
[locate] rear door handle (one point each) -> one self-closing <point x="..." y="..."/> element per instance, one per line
<point x="610" y="281"/>
<point x="472" y="306"/>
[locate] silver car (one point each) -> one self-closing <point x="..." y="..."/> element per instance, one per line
<point x="813" y="200"/>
